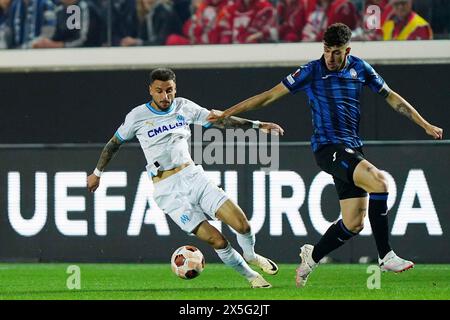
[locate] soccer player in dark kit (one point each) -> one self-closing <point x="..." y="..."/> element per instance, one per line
<point x="333" y="84"/>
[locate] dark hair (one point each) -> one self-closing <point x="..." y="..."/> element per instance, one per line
<point x="162" y="74"/>
<point x="337" y="34"/>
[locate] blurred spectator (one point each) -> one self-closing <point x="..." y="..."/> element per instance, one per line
<point x="292" y="15"/>
<point x="31" y="19"/>
<point x="5" y="31"/>
<point x="202" y="27"/>
<point x="83" y="33"/>
<point x="156" y="20"/>
<point x="440" y="22"/>
<point x="328" y="12"/>
<point x="124" y="19"/>
<point x="405" y="24"/>
<point x="182" y="9"/>
<point x="248" y="21"/>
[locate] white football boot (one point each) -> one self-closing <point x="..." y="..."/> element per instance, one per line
<point x="392" y="262"/>
<point x="260" y="282"/>
<point x="306" y="266"/>
<point x="266" y="265"/>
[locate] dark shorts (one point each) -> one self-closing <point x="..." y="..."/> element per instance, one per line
<point x="340" y="161"/>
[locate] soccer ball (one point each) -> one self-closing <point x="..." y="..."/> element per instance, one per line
<point x="187" y="262"/>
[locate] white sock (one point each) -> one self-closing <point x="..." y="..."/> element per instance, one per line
<point x="247" y="243"/>
<point x="232" y="258"/>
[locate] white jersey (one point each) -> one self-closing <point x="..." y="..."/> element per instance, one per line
<point x="163" y="135"/>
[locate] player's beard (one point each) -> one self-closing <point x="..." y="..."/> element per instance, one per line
<point x="164" y="105"/>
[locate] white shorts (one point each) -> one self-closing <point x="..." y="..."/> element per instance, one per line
<point x="187" y="195"/>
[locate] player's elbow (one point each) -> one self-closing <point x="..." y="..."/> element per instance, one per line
<point x="268" y="97"/>
<point x="275" y="93"/>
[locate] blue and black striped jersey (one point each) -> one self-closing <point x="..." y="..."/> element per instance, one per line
<point x="334" y="98"/>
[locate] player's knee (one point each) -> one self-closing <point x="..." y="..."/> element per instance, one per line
<point x="380" y="183"/>
<point x="383" y="183"/>
<point x="357" y="227"/>
<point x="243" y="228"/>
<point x="218" y="242"/>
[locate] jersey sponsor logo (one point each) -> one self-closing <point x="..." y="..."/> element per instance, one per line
<point x="326" y="77"/>
<point x="161" y="129"/>
<point x="334" y="156"/>
<point x="349" y="150"/>
<point x="353" y="73"/>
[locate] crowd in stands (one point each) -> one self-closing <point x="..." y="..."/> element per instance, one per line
<point x="95" y="23"/>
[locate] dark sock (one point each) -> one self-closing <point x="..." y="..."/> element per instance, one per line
<point x="335" y="237"/>
<point x="379" y="221"/>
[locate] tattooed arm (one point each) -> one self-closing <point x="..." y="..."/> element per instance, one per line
<point x="109" y="151"/>
<point x="399" y="104"/>
<point x="236" y="122"/>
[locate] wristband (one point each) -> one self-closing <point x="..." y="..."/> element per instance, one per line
<point x="98" y="173"/>
<point x="256" y="124"/>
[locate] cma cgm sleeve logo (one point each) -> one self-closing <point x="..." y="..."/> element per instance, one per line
<point x="271" y="207"/>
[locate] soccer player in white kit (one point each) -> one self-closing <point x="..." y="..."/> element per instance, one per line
<point x="181" y="189"/>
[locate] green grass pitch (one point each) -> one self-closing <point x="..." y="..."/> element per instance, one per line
<point x="217" y="282"/>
